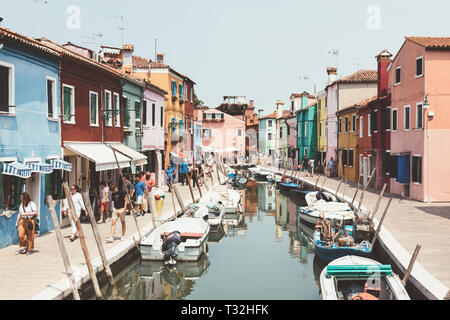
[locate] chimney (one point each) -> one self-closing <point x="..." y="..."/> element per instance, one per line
<point x="383" y="59"/>
<point x="332" y="74"/>
<point x="160" y="58"/>
<point x="279" y="110"/>
<point x="126" y="54"/>
<point x="251" y="104"/>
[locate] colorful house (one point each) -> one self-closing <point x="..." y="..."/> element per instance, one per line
<point x="342" y="93"/>
<point x="419" y="76"/>
<point x="322" y="127"/>
<point x="30" y="131"/>
<point x="281" y="142"/>
<point x="307" y="132"/>
<point x="291" y="127"/>
<point x="348" y="165"/>
<point x="267" y="134"/>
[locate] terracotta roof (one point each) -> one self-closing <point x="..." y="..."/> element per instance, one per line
<point x="6" y="33"/>
<point x="272" y="115"/>
<point x="360" y="76"/>
<point x="140" y="62"/>
<point x="357" y="105"/>
<point x="304" y="93"/>
<point x="157" y="65"/>
<point x="286" y="114"/>
<point x="431" y="42"/>
<point x="69" y="53"/>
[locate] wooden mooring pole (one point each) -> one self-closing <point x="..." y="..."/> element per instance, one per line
<point x="374" y="212"/>
<point x="339" y="185"/>
<point x="364" y="190"/>
<point x="75" y="219"/>
<point x="317" y="180"/>
<point x="188" y="179"/>
<point x="381" y="222"/>
<point x="411" y="264"/>
<point x="179" y="199"/>
<point x="356" y="192"/>
<point x="62" y="247"/>
<point x="198" y="186"/>
<point x="98" y="239"/>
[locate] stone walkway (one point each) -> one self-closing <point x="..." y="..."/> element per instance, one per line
<point x="410" y="222"/>
<point x="26" y="277"/>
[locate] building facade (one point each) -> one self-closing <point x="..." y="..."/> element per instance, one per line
<point x="307" y="132"/>
<point x="348" y="165"/>
<point x="322" y="127"/>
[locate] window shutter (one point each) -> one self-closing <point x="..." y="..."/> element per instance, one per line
<point x="4" y="89"/>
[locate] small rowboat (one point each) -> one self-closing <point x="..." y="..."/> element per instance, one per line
<point x="359" y="278"/>
<point x="286" y="187"/>
<point x="193" y="234"/>
<point x="261" y="175"/>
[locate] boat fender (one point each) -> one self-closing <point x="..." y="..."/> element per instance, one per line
<point x="363" y="296"/>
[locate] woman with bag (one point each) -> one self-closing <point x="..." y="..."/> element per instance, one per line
<point x="78" y="204"/>
<point x="25" y="223"/>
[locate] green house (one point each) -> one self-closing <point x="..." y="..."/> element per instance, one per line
<point x="307" y="132"/>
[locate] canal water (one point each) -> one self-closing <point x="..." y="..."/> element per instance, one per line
<point x="262" y="254"/>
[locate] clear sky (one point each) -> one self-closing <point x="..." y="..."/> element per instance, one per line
<point x="261" y="49"/>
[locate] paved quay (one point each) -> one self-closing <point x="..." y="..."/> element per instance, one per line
<point x="41" y="275"/>
<point x="410" y="222"/>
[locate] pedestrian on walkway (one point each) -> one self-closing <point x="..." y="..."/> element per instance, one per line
<point x="104" y="201"/>
<point x="330" y="167"/>
<point x="120" y="203"/>
<point x="305" y="164"/>
<point x="111" y="187"/>
<point x="311" y="166"/>
<point x="170" y="176"/>
<point x="183" y="171"/>
<point x="149" y="181"/>
<point x="139" y="190"/>
<point x="129" y="189"/>
<point x="78" y="204"/>
<point x="25" y="223"/>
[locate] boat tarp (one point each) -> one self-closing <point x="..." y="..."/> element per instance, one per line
<point x="403" y="169"/>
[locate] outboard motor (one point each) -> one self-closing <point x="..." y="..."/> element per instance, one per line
<point x="169" y="246"/>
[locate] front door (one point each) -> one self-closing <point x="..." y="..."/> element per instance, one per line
<point x="33" y="188"/>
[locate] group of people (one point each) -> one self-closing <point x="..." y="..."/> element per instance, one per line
<point x="307" y="165"/>
<point x="195" y="172"/>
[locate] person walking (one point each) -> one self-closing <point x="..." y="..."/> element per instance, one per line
<point x="25" y="224"/>
<point x="129" y="189"/>
<point x="120" y="203"/>
<point x="139" y="191"/>
<point x="305" y="164"/>
<point x="78" y="204"/>
<point x="330" y="167"/>
<point x="111" y="187"/>
<point x="311" y="166"/>
<point x="183" y="171"/>
<point x="104" y="201"/>
<point x="170" y="175"/>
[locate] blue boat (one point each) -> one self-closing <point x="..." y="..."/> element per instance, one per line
<point x="287" y="186"/>
<point x="334" y="251"/>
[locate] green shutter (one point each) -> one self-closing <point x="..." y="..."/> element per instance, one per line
<point x="67" y="98"/>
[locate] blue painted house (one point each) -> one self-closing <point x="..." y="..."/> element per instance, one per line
<point x="30" y="136"/>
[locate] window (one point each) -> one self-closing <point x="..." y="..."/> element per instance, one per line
<point x="292" y="106"/>
<point x="126" y="111"/>
<point x="320" y="129"/>
<point x="387" y="118"/>
<point x="68" y="104"/>
<point x="51" y="98"/>
<point x="299" y="129"/>
<point x="93" y="108"/>
<point x="288" y="129"/>
<point x="6" y="87"/>
<point x="361" y="127"/>
<point x="407" y="117"/>
<point x="153" y="114"/>
<point x="361" y="165"/>
<point x="346" y="124"/>
<point x="320" y="104"/>
<point x="306" y="129"/>
<point x="344" y="157"/>
<point x="354" y="122"/>
<point x="137" y="112"/>
<point x="270" y="123"/>
<point x="269" y="137"/>
<point x="206" y="133"/>
<point x="419" y="116"/>
<point x="162" y="117"/>
<point x="239" y="132"/>
<point x="53" y="183"/>
<point x="350" y="158"/>
<point x="192" y="94"/>
<point x="174" y="88"/>
<point x="180" y="90"/>
<point x="144" y="113"/>
<point x="281" y="132"/>
<point x="340" y="125"/>
<point x="374" y="124"/>
<point x="10" y="191"/>
<point x="391" y="162"/>
<point x="416" y="172"/>
<point x="326" y="128"/>
<point x="398" y="75"/>
<point x="419" y="66"/>
<point x="116" y="106"/>
<point x="108" y="108"/>
<point x="394" y="119"/>
<point x="369" y="123"/>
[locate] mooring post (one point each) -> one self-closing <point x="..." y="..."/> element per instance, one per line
<point x="356" y="192"/>
<point x="190" y="187"/>
<point x="381" y="222"/>
<point x="411" y="264"/>
<point x="374" y="212"/>
<point x="339" y="185"/>
<point x="345" y="188"/>
<point x="98" y="239"/>
<point x="75" y="219"/>
<point x="62" y="247"/>
<point x="198" y="186"/>
<point x="317" y="180"/>
<point x="173" y="204"/>
<point x="364" y="190"/>
<point x="179" y="198"/>
<point x="323" y="184"/>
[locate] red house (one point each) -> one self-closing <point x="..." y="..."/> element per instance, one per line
<point x="90" y="107"/>
<point x="189" y="113"/>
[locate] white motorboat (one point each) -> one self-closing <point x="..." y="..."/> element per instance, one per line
<point x="210" y="203"/>
<point x="311" y="197"/>
<point x="360" y="278"/>
<point x="193" y="233"/>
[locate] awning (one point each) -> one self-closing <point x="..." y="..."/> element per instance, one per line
<point x="40" y="167"/>
<point x="100" y="154"/>
<point x="16" y="169"/>
<point x="138" y="158"/>
<point x="61" y="164"/>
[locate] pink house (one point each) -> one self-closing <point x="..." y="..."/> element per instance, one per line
<point x="419" y="80"/>
<point x="224" y="133"/>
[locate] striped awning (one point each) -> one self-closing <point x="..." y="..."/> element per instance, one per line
<point x="16" y="169"/>
<point x="40" y="167"/>
<point x="61" y="164"/>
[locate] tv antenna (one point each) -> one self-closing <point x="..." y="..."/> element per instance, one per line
<point x="335" y="52"/>
<point x="306" y="78"/>
<point x="93" y="39"/>
<point x="121" y="20"/>
<point x="45" y="3"/>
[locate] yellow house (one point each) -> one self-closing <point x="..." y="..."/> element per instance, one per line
<point x="171" y="81"/>
<point x="348" y="131"/>
<point x="322" y="126"/>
